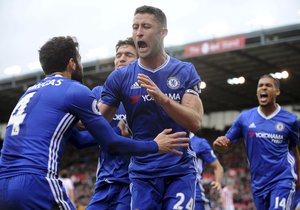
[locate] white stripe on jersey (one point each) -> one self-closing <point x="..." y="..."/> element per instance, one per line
<point x="291" y="160"/>
<point x="63" y="125"/>
<point x="55" y="142"/>
<point x="58" y="196"/>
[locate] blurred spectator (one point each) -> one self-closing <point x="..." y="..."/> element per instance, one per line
<point x="68" y="185"/>
<point x="227" y="195"/>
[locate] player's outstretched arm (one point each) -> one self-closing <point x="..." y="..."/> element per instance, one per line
<point x="222" y="144"/>
<point x="115" y="144"/>
<point x="168" y="142"/>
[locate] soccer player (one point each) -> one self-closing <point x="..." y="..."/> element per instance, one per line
<point x="205" y="158"/>
<point x="112" y="181"/>
<point x="268" y="131"/>
<point x="157" y="92"/>
<point x="41" y="123"/>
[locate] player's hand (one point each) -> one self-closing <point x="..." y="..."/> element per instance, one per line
<point x="151" y="88"/>
<point x="216" y="186"/>
<point x="123" y="128"/>
<point x="79" y="125"/>
<point x="167" y="141"/>
<point x="222" y="144"/>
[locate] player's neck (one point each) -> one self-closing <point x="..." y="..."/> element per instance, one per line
<point x="63" y="74"/>
<point x="155" y="61"/>
<point x="268" y="110"/>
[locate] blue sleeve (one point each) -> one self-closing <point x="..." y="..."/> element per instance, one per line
<point x="236" y="130"/>
<point x="115" y="144"/>
<point x="97" y="92"/>
<point x="294" y="134"/>
<point x="194" y="79"/>
<point x="203" y="150"/>
<point x="82" y="103"/>
<point x="111" y="89"/>
<point x="82" y="139"/>
<point x="117" y="130"/>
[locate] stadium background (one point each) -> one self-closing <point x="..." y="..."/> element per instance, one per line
<point x="249" y="55"/>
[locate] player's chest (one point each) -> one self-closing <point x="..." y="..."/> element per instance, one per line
<point x="172" y="86"/>
<point x="268" y="130"/>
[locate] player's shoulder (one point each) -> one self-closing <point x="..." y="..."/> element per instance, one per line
<point x="199" y="143"/>
<point x="288" y="113"/>
<point x="78" y="89"/>
<point x="288" y="116"/>
<point x="98" y="88"/>
<point x="175" y="61"/>
<point x="124" y="71"/>
<point x="248" y="112"/>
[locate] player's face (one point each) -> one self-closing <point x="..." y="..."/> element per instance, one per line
<point x="267" y="92"/>
<point x="125" y="55"/>
<point x="148" y="35"/>
<point x="77" y="74"/>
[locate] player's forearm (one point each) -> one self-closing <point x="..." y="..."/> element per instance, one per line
<point x="107" y="111"/>
<point x="189" y="117"/>
<point x="82" y="139"/>
<point x="115" y="144"/>
<point x="219" y="174"/>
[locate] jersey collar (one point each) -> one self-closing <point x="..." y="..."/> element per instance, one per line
<point x="156" y="69"/>
<point x="271" y="115"/>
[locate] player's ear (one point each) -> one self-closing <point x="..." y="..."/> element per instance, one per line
<point x="72" y="64"/>
<point x="277" y="92"/>
<point x="164" y="32"/>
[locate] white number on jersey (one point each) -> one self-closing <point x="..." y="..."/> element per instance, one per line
<point x="178" y="205"/>
<point x="18" y="115"/>
<point x="280" y="203"/>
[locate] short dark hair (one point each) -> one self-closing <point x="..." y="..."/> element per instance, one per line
<point x="55" y="54"/>
<point x="158" y="13"/>
<point x="276" y="81"/>
<point x="128" y="41"/>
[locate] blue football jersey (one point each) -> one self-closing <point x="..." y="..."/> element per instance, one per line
<point x="205" y="155"/>
<point x="41" y="123"/>
<point x="110" y="167"/>
<point x="267" y="141"/>
<point x="146" y="118"/>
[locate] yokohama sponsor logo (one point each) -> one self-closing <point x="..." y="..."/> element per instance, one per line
<point x="173" y="96"/>
<point x="269" y="135"/>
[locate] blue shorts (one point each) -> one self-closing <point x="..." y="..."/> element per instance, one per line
<point x="30" y="191"/>
<point x="172" y="192"/>
<point x="201" y="202"/>
<point x="111" y="196"/>
<point x="279" y="198"/>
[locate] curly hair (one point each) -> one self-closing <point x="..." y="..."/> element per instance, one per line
<point x="55" y="54"/>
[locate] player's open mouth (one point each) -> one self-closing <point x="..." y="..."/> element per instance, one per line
<point x="263" y="97"/>
<point x="142" y="44"/>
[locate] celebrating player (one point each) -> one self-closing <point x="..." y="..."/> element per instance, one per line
<point x="269" y="131"/>
<point x="112" y="181"/>
<point x="41" y="123"/>
<point x="157" y="92"/>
